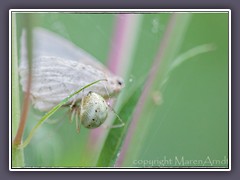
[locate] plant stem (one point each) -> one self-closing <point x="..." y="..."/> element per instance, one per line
<point x="124" y="43"/>
<point x="17" y="154"/>
<point x="18" y="138"/>
<point x="52" y="111"/>
<point x="168" y="47"/>
<point x="119" y="62"/>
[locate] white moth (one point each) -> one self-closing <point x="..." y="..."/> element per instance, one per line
<point x="59" y="68"/>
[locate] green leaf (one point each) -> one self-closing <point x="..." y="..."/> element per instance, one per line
<point x="204" y="48"/>
<point x="116" y="136"/>
<point x="169" y="47"/>
<point x="15" y="84"/>
<point x="17" y="154"/>
<point x="52" y="111"/>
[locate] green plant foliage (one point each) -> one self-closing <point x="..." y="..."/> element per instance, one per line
<point x="116" y="136"/>
<point x="17" y="154"/>
<point x="185" y="114"/>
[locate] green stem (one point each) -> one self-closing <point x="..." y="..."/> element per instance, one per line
<point x="52" y="111"/>
<point x="23" y="119"/>
<point x="17" y="154"/>
<point x="169" y="46"/>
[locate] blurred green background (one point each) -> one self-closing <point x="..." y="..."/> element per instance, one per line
<point x="192" y="121"/>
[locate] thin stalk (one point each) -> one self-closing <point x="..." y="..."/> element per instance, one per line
<point x="52" y="111"/>
<point x="119" y="62"/>
<point x="168" y="47"/>
<point x="17" y="154"/>
<point x="18" y="138"/>
<point x="15" y="80"/>
<point x="124" y="43"/>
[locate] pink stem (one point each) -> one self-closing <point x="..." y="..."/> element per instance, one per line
<point x="144" y="95"/>
<point x="117" y="43"/>
<point x="114" y="64"/>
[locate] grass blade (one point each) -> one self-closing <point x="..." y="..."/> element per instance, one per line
<point x="169" y="47"/>
<point x="116" y="136"/>
<point x="52" y="111"/>
<point x="17" y="154"/>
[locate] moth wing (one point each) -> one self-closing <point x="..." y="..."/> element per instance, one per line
<point x="47" y="43"/>
<point x="54" y="78"/>
<point x="60" y="68"/>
